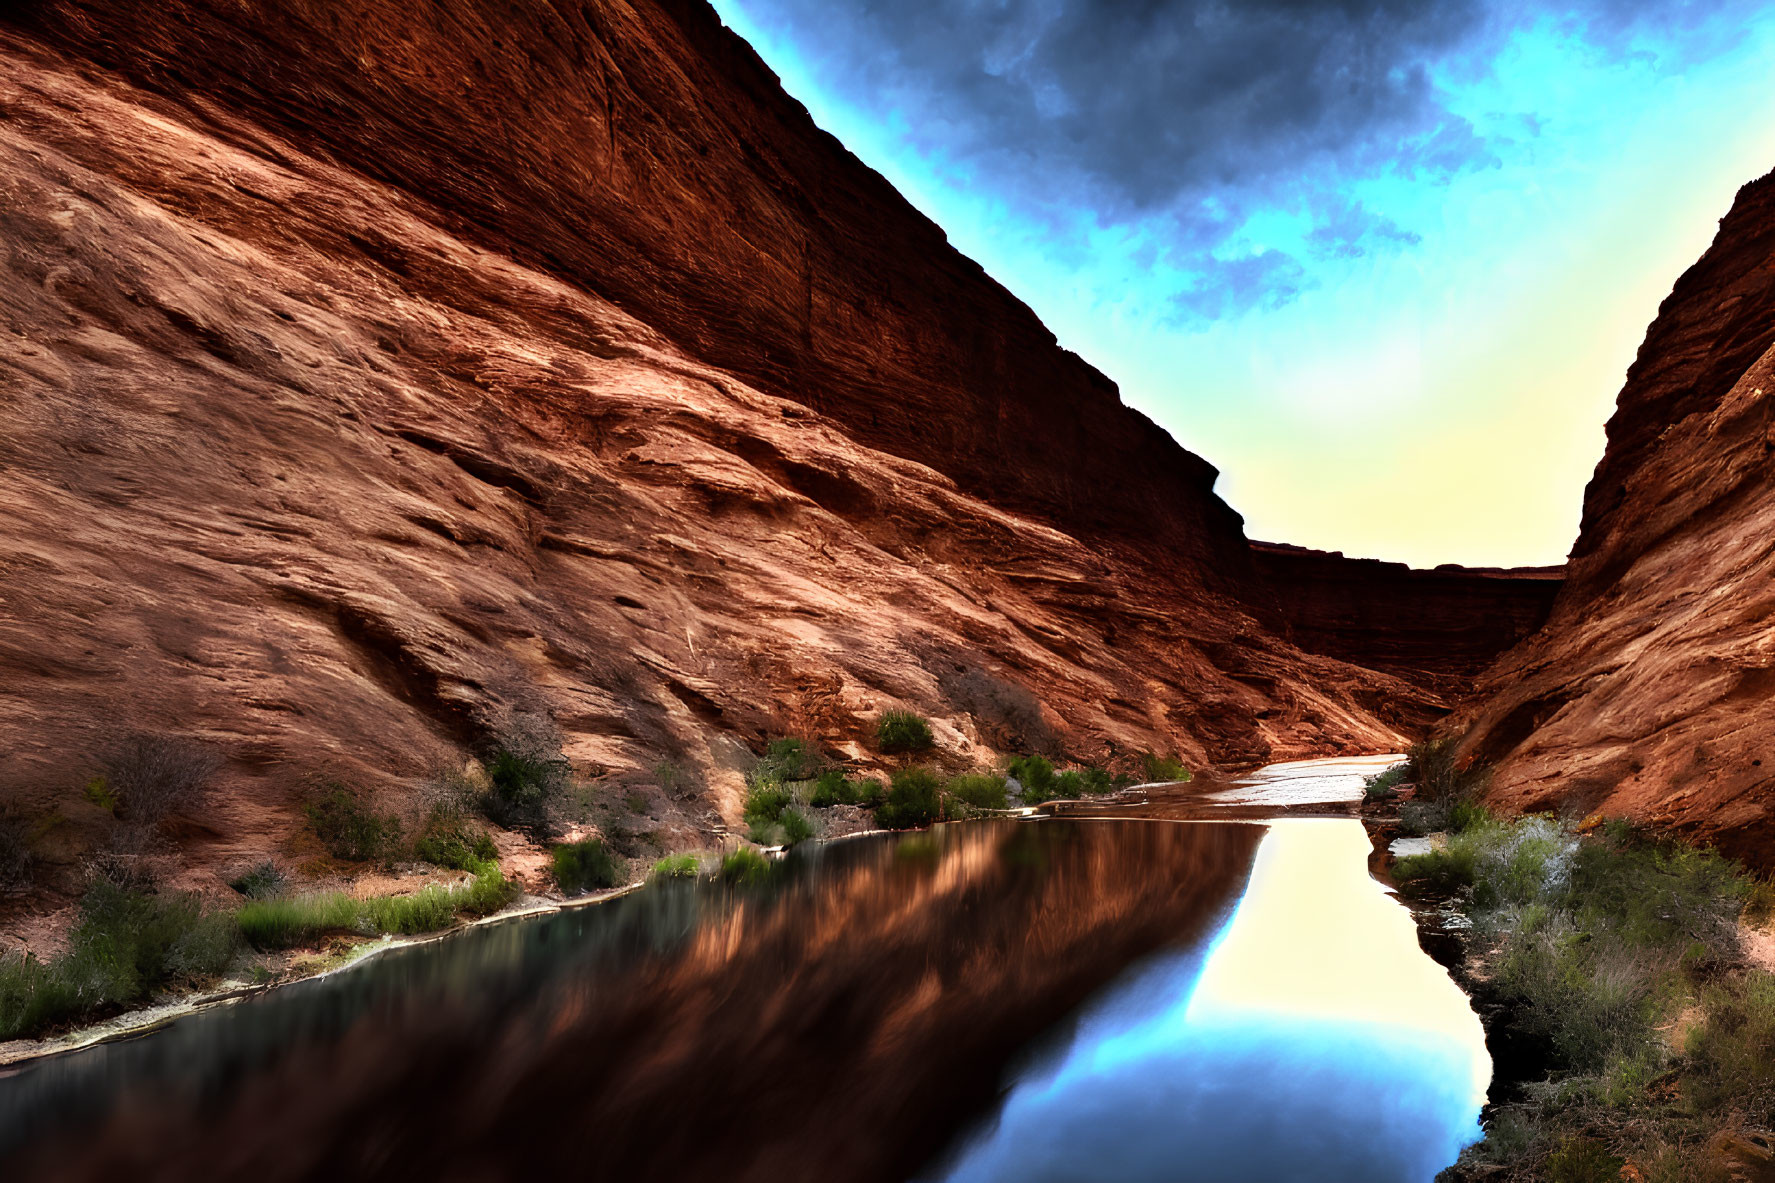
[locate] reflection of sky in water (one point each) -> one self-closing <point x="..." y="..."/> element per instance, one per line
<point x="1311" y="1039"/>
<point x="1302" y="782"/>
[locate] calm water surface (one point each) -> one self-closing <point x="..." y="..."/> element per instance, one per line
<point x="1047" y="1000"/>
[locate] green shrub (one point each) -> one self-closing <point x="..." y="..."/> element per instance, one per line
<point x="1069" y="785"/>
<point x="899" y="732"/>
<point x="676" y="866"/>
<point x="1439" y="872"/>
<point x="912" y="800"/>
<point x="833" y="788"/>
<point x="349" y="829"/>
<point x="1384" y="785"/>
<point x="1098" y="781"/>
<point x="796" y="828"/>
<point x="1157" y="769"/>
<point x="262" y="881"/>
<point x="124" y="947"/>
<point x="1036" y="776"/>
<point x="1430" y="765"/>
<point x="1580" y="1160"/>
<point x="870" y="793"/>
<point x="793" y="759"/>
<point x="980" y="790"/>
<point x="585" y="866"/>
<point x="449" y="840"/>
<point x="746" y="866"/>
<point x="521" y="790"/>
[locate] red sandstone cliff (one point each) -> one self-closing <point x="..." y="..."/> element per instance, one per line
<point x="1648" y="691"/>
<point x="369" y="369"/>
<point x="1438" y="628"/>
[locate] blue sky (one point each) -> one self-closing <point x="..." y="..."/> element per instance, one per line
<point x="1383" y="262"/>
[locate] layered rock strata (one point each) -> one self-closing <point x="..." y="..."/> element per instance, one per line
<point x="1648" y="692"/>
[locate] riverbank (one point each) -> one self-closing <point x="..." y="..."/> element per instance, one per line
<point x="1624" y="981"/>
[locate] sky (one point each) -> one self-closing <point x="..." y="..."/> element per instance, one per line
<point x="1383" y="262"/>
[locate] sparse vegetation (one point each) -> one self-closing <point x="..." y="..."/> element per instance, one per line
<point x="978" y="790"/>
<point x="149" y="776"/>
<point x="284" y="923"/>
<point x="125" y="947"/>
<point x="350" y="829"/>
<point x="793" y="759"/>
<point x="1384" y="785"/>
<point x="527" y="774"/>
<point x="585" y="866"/>
<point x="745" y="867"/>
<point x="913" y="800"/>
<point x="1599" y="951"/>
<point x="449" y="839"/>
<point x="796" y="827"/>
<point x="1035" y="778"/>
<point x="17" y="862"/>
<point x="1157" y="769"/>
<point x="903" y="732"/>
<point x="834" y="788"/>
<point x="261" y="881"/>
<point x="676" y="866"/>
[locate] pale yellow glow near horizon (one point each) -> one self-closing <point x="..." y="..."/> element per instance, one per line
<point x="1315" y="937"/>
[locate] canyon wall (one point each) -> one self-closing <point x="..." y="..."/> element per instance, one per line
<point x="1648" y="692"/>
<point x="1439" y="628"/>
<point x="375" y="372"/>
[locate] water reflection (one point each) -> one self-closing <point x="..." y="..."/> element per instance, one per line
<point x="844" y="1023"/>
<point x="1310" y="1039"/>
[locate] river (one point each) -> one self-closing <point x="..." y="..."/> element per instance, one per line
<point x="1061" y="999"/>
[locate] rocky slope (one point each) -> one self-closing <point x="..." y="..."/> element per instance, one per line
<point x="335" y="434"/>
<point x="1648" y="691"/>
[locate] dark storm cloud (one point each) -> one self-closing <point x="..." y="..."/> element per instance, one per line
<point x="1152" y="99"/>
<point x="1189" y="114"/>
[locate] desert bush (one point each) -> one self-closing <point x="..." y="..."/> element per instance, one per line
<point x="1068" y="785"/>
<point x="448" y="839"/>
<point x="833" y="788"/>
<point x="980" y="790"/>
<point x="676" y="866"/>
<point x="1430" y="764"/>
<point x="796" y="827"/>
<point x="1384" y="785"/>
<point x="794" y="759"/>
<point x="1035" y="776"/>
<point x="585" y="866"/>
<point x="746" y="867"/>
<point x="900" y="732"/>
<point x="124" y="947"/>
<point x="18" y="863"/>
<point x="1581" y="1160"/>
<point x="349" y="829"/>
<point x="1098" y="781"/>
<point x="261" y="881"/>
<point x="1157" y="769"/>
<point x="912" y="801"/>
<point x="150" y="776"/>
<point x="527" y="774"/>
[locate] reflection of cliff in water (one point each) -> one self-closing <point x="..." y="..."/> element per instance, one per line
<point x="846" y="1024"/>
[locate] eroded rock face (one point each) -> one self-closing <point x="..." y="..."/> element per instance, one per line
<point x="1439" y="628"/>
<point x="1648" y="693"/>
<point x="330" y="470"/>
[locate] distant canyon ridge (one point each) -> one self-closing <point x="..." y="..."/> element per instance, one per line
<point x="374" y="370"/>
